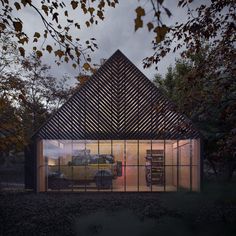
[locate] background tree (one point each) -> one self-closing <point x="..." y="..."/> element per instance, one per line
<point x="28" y="95"/>
<point x="213" y="21"/>
<point x="209" y="99"/>
<point x="8" y="51"/>
<point x="11" y="136"/>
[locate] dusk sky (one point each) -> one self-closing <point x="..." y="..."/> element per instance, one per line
<point x="115" y="32"/>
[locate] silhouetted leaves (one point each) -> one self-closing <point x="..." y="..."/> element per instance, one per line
<point x="74" y="4"/>
<point x="37" y="35"/>
<point x="138" y="21"/>
<point x="18" y="26"/>
<point x="150" y="26"/>
<point x="22" y="51"/>
<point x="58" y="22"/>
<point x="39" y="53"/>
<point x="86" y="66"/>
<point x="17" y="5"/>
<point x="49" y="48"/>
<point x="161" y="32"/>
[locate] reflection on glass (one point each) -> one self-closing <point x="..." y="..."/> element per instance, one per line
<point x="131" y="152"/>
<point x="118" y="153"/>
<point x="175" y="167"/>
<point x="105" y="147"/>
<point x="184" y="178"/>
<point x="131" y="178"/>
<point x="143" y="183"/>
<point x="184" y="149"/>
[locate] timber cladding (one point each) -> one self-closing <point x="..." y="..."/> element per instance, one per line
<point x="118" y="102"/>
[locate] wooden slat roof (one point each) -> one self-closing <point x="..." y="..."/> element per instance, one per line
<point x="118" y="102"/>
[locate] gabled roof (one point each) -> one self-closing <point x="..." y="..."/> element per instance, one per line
<point x="118" y="102"/>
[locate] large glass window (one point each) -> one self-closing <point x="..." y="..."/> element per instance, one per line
<point x="119" y="183"/>
<point x="131" y="170"/>
<point x="118" y="165"/>
<point x="144" y="166"/>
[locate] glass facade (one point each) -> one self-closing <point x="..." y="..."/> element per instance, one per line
<point x="118" y="165"/>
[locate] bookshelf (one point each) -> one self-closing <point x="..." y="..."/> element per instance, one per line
<point x="155" y="167"/>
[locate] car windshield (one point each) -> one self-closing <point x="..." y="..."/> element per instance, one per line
<point x="101" y="159"/>
<point x="92" y="159"/>
<point x="79" y="160"/>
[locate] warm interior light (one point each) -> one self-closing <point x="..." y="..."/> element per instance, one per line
<point x="51" y="162"/>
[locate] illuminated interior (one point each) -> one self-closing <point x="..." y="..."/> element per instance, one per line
<point x="119" y="165"/>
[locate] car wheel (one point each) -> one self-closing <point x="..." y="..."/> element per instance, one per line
<point x="103" y="180"/>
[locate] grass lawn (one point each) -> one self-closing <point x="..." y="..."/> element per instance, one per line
<point x="212" y="212"/>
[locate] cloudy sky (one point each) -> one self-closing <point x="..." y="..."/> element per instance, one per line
<point x="115" y="32"/>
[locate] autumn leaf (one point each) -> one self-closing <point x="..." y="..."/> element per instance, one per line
<point x="69" y="37"/>
<point x="138" y="23"/>
<point x="37" y="35"/>
<point x="22" y="51"/>
<point x="100" y="15"/>
<point x="161" y="32"/>
<point x="45" y="9"/>
<point x="84" y="8"/>
<point x="77" y="52"/>
<point x="17" y="6"/>
<point x="91" y="10"/>
<point x="24" y="2"/>
<point x="39" y="53"/>
<point x="2" y="26"/>
<point x="77" y="25"/>
<point x="17" y="25"/>
<point x="86" y="66"/>
<point x="74" y="4"/>
<point x="49" y="48"/>
<point x="140" y="12"/>
<point x="87" y="23"/>
<point x="150" y="26"/>
<point x="23" y="40"/>
<point x="66" y="59"/>
<point x="59" y="53"/>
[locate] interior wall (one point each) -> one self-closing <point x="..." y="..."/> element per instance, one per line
<point x="184" y="165"/>
<point x="175" y="164"/>
<point x="196" y="165"/>
<point x="186" y="157"/>
<point x="118" y="153"/>
<point x="131" y="170"/>
<point x="169" y="162"/>
<point x="144" y="145"/>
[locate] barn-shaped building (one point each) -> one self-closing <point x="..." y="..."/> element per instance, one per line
<point x="117" y="133"/>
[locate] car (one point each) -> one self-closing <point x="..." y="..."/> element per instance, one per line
<point x="87" y="168"/>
